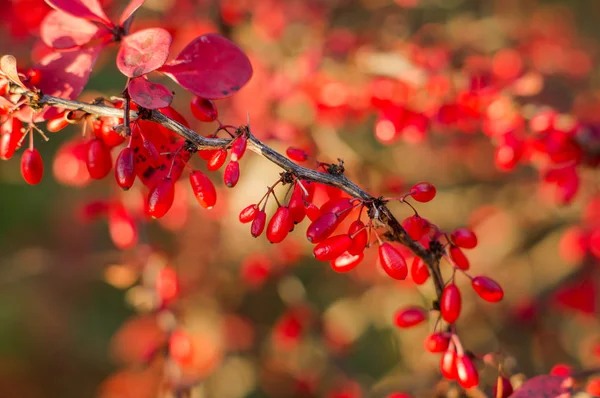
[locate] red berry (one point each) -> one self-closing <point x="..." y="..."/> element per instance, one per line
<point x="99" y="161"/>
<point x="35" y="77"/>
<point x="125" y="168"/>
<point x="419" y="271"/>
<point x="332" y="247"/>
<point x="231" y="174"/>
<point x="346" y="262"/>
<point x="279" y="225"/>
<point x="340" y="206"/>
<point x="122" y="228"/>
<point x="502" y="388"/>
<point x="32" y="166"/>
<point x="203" y="189"/>
<point x="448" y="364"/>
<point x="217" y="160"/>
<point x="322" y="227"/>
<point x="167" y="284"/>
<point x="181" y="347"/>
<point x="238" y="148"/>
<point x="465" y="238"/>
<point x="248" y="214"/>
<point x="408" y="317"/>
<point x="360" y="237"/>
<point x="296" y="154"/>
<point x="415" y="226"/>
<point x="160" y="198"/>
<point x="423" y="192"/>
<point x="57" y="123"/>
<point x="392" y="261"/>
<point x="203" y="109"/>
<point x="258" y="224"/>
<point x="296" y="205"/>
<point x="459" y="258"/>
<point x="11" y="137"/>
<point x="466" y="372"/>
<point x="561" y="369"/>
<point x="312" y="211"/>
<point x="437" y="342"/>
<point x="487" y="289"/>
<point x="103" y="129"/>
<point x="450" y="303"/>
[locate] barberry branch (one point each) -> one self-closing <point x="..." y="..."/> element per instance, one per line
<point x="338" y="180"/>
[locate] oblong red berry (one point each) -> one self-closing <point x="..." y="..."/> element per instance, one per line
<point x="423" y="192"/>
<point x="181" y="347"/>
<point x="32" y="166"/>
<point x="258" y="224"/>
<point x="502" y="388"/>
<point x="57" y="123"/>
<point x="167" y="284"/>
<point x="203" y="188"/>
<point x="296" y="205"/>
<point x="448" y="364"/>
<point x="450" y="303"/>
<point x="12" y="134"/>
<point x="415" y="226"/>
<point x="408" y="317"/>
<point x="99" y="160"/>
<point x="231" y="175"/>
<point x="332" y="247"/>
<point x="459" y="258"/>
<point x="339" y="206"/>
<point x="464" y="237"/>
<point x="203" y="109"/>
<point x="248" y="213"/>
<point x="346" y="262"/>
<point x="466" y="372"/>
<point x="419" y="271"/>
<point x="160" y="198"/>
<point x="238" y="148"/>
<point x="296" y="154"/>
<point x="125" y="168"/>
<point x="437" y="342"/>
<point x="312" y="211"/>
<point x="392" y="261"/>
<point x="488" y="289"/>
<point x="279" y="225"/>
<point x="322" y="227"/>
<point x="360" y="237"/>
<point x="217" y="160"/>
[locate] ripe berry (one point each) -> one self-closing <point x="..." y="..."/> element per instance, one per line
<point x="203" y="109"/>
<point x="181" y="347"/>
<point x="57" y="123"/>
<point x="340" y="206"/>
<point x="392" y="261"/>
<point x="423" y="192"/>
<point x="296" y="154"/>
<point x="487" y="289"/>
<point x="415" y="226"/>
<point x="125" y="168"/>
<point x="360" y="237"/>
<point x="332" y="247"/>
<point x="160" y="198"/>
<point x="231" y="174"/>
<point x="459" y="257"/>
<point x="437" y="342"/>
<point x="419" y="271"/>
<point x="122" y="228"/>
<point x="279" y="225"/>
<point x="35" y="77"/>
<point x="32" y="166"/>
<point x="238" y="148"/>
<point x="466" y="372"/>
<point x="258" y="224"/>
<point x="312" y="211"/>
<point x="167" y="284"/>
<point x="448" y="364"/>
<point x="99" y="161"/>
<point x="322" y="227"/>
<point x="465" y="238"/>
<point x="248" y="214"/>
<point x="203" y="189"/>
<point x="407" y="317"/>
<point x="217" y="160"/>
<point x="561" y="369"/>
<point x="296" y="205"/>
<point x="502" y="388"/>
<point x="346" y="262"/>
<point x="450" y="303"/>
<point x="12" y="134"/>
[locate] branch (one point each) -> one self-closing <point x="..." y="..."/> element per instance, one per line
<point x="340" y="181"/>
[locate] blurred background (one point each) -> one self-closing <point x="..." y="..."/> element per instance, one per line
<point x="481" y="98"/>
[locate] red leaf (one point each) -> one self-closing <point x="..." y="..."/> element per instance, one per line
<point x="60" y="30"/>
<point x="544" y="386"/>
<point x="211" y="67"/>
<point x="149" y="95"/>
<point x="129" y="10"/>
<point x="143" y="51"/>
<point x="86" y="9"/>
